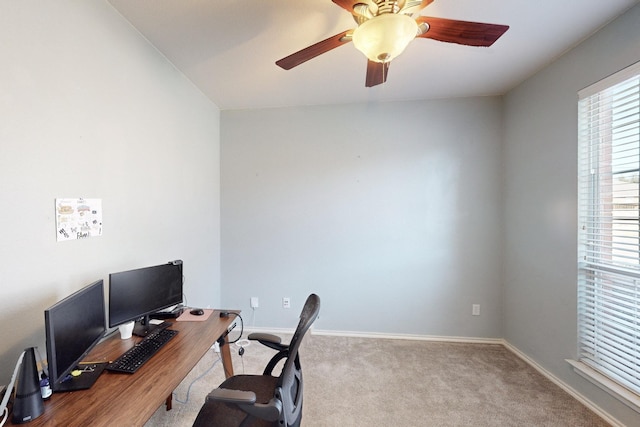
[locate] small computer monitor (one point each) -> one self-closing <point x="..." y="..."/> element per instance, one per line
<point x="135" y="294"/>
<point x="73" y="326"/>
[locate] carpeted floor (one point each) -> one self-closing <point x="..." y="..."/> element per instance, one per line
<point x="380" y="382"/>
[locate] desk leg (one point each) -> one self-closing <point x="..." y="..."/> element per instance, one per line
<point x="169" y="402"/>
<point x="225" y="352"/>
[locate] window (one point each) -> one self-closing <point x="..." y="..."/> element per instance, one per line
<point x="609" y="235"/>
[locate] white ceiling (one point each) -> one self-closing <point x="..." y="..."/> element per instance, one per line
<point x="228" y="48"/>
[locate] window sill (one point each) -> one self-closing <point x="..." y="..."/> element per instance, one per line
<point x="621" y="393"/>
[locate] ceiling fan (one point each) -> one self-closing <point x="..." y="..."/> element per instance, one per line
<point x="385" y="28"/>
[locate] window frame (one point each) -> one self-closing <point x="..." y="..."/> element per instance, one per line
<point x="608" y="252"/>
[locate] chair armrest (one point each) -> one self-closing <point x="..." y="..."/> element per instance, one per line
<point x="266" y="411"/>
<point x="246" y="400"/>
<point x="270" y="340"/>
<point x="232" y="396"/>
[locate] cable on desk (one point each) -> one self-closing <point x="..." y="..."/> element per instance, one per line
<point x="253" y="317"/>
<point x="215" y="362"/>
<point x="242" y="344"/>
<point x="221" y="340"/>
<point x="241" y="328"/>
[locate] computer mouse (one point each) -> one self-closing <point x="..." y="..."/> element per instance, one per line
<point x="197" y="312"/>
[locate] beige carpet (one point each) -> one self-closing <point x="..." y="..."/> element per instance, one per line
<point x="379" y="382"/>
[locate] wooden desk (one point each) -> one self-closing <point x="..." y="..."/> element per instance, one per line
<point x="130" y="399"/>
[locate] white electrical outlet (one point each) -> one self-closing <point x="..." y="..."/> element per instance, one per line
<point x="475" y="309"/>
<point x="254" y="302"/>
<point x="286" y="302"/>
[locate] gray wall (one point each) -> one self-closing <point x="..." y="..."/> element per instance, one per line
<point x="89" y="109"/>
<point x="390" y="212"/>
<point x="540" y="134"/>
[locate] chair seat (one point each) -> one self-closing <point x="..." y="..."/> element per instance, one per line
<point x="215" y="413"/>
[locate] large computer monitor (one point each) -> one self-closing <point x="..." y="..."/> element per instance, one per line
<point x="135" y="294"/>
<point x="73" y="326"/>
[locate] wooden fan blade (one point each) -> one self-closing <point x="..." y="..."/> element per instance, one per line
<point x="462" y="32"/>
<point x="348" y="4"/>
<point x="423" y="4"/>
<point x="376" y="73"/>
<point x="312" y="51"/>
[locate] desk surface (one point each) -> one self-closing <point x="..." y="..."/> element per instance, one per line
<point x="130" y="399"/>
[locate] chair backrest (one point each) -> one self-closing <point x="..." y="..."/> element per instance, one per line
<point x="290" y="383"/>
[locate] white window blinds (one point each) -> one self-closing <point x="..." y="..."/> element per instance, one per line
<point x="609" y="220"/>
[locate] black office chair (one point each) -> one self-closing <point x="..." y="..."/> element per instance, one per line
<point x="263" y="400"/>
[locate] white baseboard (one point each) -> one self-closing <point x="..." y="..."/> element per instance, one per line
<point x="624" y="395"/>
<point x="579" y="397"/>
<point x="381" y="335"/>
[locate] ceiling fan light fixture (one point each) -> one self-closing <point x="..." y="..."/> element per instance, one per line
<point x="385" y="36"/>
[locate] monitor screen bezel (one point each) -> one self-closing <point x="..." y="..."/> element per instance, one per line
<point x="53" y="325"/>
<point x="120" y="282"/>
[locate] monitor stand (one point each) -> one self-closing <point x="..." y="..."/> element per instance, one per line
<point x="143" y="327"/>
<point x="89" y="375"/>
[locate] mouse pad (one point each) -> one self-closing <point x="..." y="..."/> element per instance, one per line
<point x="188" y="317"/>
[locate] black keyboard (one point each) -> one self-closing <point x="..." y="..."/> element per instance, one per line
<point x="136" y="356"/>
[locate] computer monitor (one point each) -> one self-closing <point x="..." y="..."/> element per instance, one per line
<point x="73" y="326"/>
<point x="135" y="294"/>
